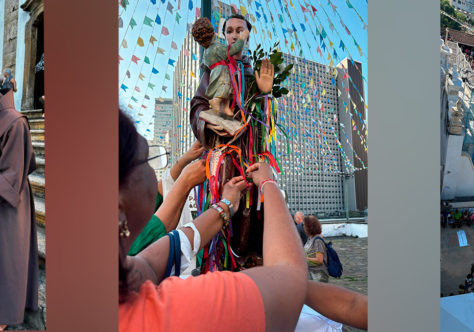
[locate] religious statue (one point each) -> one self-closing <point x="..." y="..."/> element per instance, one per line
<point x="219" y="89"/>
<point x="230" y="150"/>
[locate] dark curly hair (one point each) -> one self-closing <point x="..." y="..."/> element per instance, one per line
<point x="240" y="17"/>
<point x="203" y="31"/>
<point x="312" y="225"/>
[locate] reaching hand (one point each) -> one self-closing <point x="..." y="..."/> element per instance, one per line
<point x="260" y="172"/>
<point x="233" y="190"/>
<point x="194" y="152"/>
<point x="194" y="173"/>
<point x="265" y="77"/>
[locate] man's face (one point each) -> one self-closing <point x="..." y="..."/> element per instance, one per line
<point x="233" y="28"/>
<point x="299" y="217"/>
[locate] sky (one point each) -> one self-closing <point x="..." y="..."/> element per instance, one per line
<point x="152" y="33"/>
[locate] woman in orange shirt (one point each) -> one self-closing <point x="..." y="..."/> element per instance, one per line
<point x="269" y="297"/>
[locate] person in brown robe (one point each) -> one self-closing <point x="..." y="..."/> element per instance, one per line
<point x="18" y="242"/>
<point x="247" y="239"/>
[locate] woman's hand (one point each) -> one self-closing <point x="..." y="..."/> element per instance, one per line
<point x="194" y="152"/>
<point x="260" y="172"/>
<point x="233" y="190"/>
<point x="194" y="174"/>
<point x="265" y="77"/>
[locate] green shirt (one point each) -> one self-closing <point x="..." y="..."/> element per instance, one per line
<point x="152" y="231"/>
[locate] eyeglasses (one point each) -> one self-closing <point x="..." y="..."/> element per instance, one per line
<point x="158" y="159"/>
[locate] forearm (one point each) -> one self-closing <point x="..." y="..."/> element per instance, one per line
<point x="281" y="242"/>
<point x="208" y="224"/>
<point x="315" y="260"/>
<point x="170" y="211"/>
<point x="177" y="168"/>
<point x="338" y="304"/>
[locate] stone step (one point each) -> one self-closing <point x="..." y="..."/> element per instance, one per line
<point x="37" y="135"/>
<point x="40" y="211"/>
<point x="38" y="147"/>
<point x="33" y="114"/>
<point x="39" y="166"/>
<point x="37" y="185"/>
<point x="36" y="123"/>
<point x="41" y="233"/>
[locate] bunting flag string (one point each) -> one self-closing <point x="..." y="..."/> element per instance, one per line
<point x="148" y="45"/>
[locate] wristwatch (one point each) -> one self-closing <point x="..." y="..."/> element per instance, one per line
<point x="229" y="205"/>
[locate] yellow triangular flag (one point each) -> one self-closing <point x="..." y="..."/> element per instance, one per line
<point x="140" y="42"/>
<point x="243" y="10"/>
<point x="330" y="44"/>
<point x="270" y="34"/>
<point x="192" y="74"/>
<point x="329" y="56"/>
<point x="331" y="64"/>
<point x="292" y="46"/>
<point x="152" y="40"/>
<point x="141" y="76"/>
<point x="124" y="43"/>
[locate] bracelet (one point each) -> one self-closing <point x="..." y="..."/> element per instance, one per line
<point x="263" y="183"/>
<point x="222" y="214"/>
<point x="229" y="205"/>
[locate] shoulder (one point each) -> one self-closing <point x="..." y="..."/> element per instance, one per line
<point x="177" y="303"/>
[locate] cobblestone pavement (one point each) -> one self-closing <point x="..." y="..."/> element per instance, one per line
<point x="35" y="320"/>
<point x="353" y="254"/>
<point x="455" y="260"/>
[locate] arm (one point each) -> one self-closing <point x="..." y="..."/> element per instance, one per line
<point x="338" y="304"/>
<point x="194" y="152"/>
<point x="170" y="211"/>
<point x="12" y="161"/>
<point x="319" y="259"/>
<point x="282" y="280"/>
<point x="150" y="264"/>
<point x="14" y="84"/>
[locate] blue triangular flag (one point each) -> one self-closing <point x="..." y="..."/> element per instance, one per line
<point x="171" y="62"/>
<point x="154" y="70"/>
<point x="124" y="87"/>
<point x="158" y="19"/>
<point x="190" y="5"/>
<point x="303" y="27"/>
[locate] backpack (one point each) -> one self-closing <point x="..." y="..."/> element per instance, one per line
<point x="333" y="263"/>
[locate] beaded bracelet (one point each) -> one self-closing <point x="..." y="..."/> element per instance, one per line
<point x="265" y="181"/>
<point x="222" y="214"/>
<point x="229" y="205"/>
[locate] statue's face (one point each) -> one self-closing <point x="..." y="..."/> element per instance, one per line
<point x="233" y="28"/>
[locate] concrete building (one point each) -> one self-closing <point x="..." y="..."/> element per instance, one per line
<point x="466" y="6"/>
<point x="457" y="127"/>
<point x="323" y="160"/>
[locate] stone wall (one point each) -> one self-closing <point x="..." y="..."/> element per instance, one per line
<point x="10" y="34"/>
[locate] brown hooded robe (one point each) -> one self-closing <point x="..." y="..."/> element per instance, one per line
<point x="18" y="242"/>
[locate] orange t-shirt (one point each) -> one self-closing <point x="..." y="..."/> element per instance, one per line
<point x="217" y="301"/>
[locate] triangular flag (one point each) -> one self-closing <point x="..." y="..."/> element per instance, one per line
<point x="198" y="12"/>
<point x="160" y="50"/>
<point x="120" y="22"/>
<point x="133" y="23"/>
<point x="174" y="46"/>
<point x="137" y="89"/>
<point x="186" y="52"/>
<point x="124" y="43"/>
<point x="171" y="62"/>
<point x="140" y="42"/>
<point x="134" y="99"/>
<point x="154" y="70"/>
<point x="178" y="17"/>
<point x="141" y="76"/>
<point x="167" y="77"/>
<point x="147" y="97"/>
<point x="120" y="58"/>
<point x="128" y="73"/>
<point x="243" y="10"/>
<point x="152" y="40"/>
<point x="158" y="19"/>
<point x="192" y="74"/>
<point x="164" y="31"/>
<point x="124" y="3"/>
<point x="124" y="87"/>
<point x="151" y="86"/>
<point x="153" y="2"/>
<point x="135" y="59"/>
<point x="169" y="8"/>
<point x="148" y="21"/>
<point x="164" y="87"/>
<point x="190" y="5"/>
<point x="147" y="60"/>
<point x="194" y="57"/>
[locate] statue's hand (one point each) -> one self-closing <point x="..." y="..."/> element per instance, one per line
<point x="265" y="77"/>
<point x="219" y="130"/>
